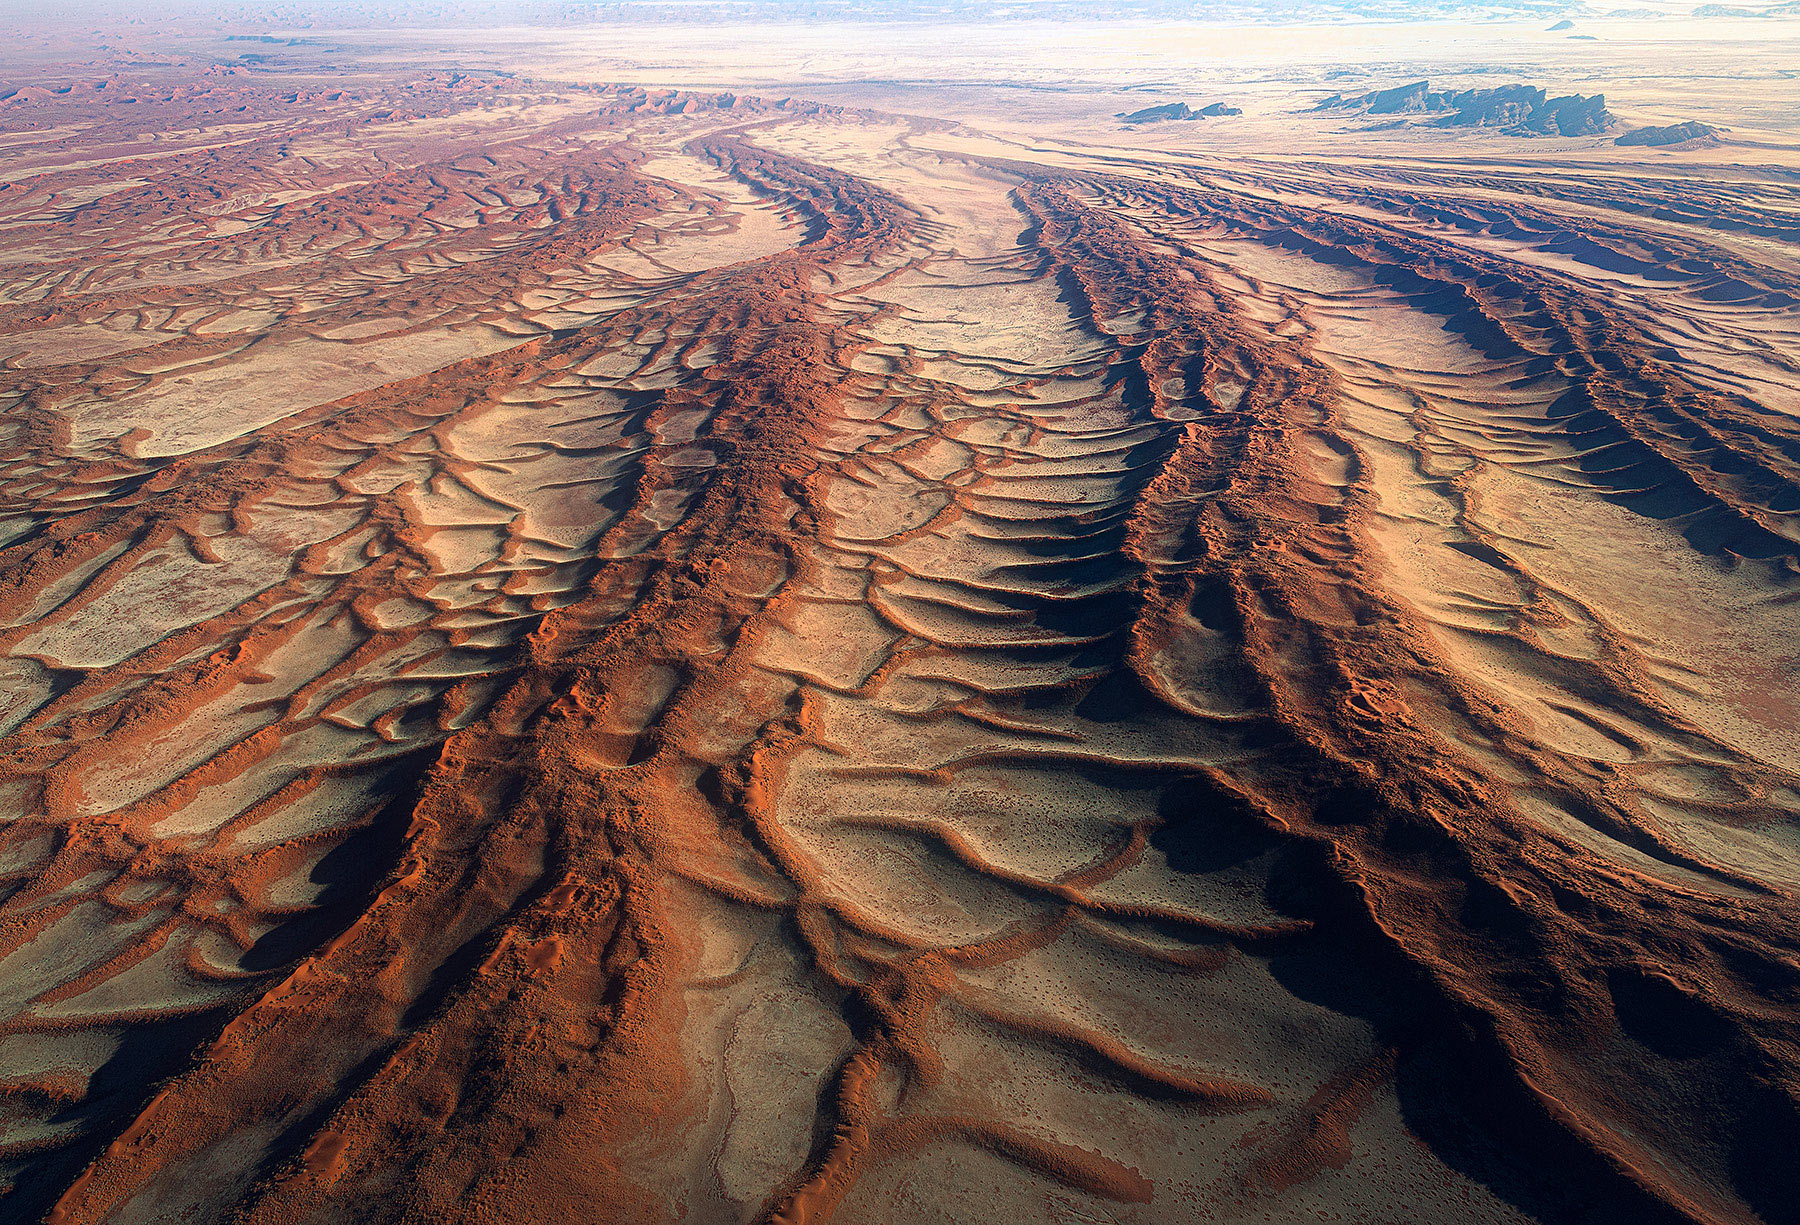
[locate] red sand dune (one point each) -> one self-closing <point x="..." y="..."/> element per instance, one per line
<point x="627" y="656"/>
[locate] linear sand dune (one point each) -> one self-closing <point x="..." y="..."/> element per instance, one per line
<point x="588" y="654"/>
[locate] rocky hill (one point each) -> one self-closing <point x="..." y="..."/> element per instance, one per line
<point x="1524" y="110"/>
<point x="1691" y="132"/>
<point x="1180" y="110"/>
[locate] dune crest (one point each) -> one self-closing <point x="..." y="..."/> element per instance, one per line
<point x="597" y="652"/>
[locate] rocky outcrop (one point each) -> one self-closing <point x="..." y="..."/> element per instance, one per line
<point x="1692" y="132"/>
<point x="1573" y="115"/>
<point x="1180" y="110"/>
<point x="1523" y="110"/>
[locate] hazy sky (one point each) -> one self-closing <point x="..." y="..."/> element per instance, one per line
<point x="290" y="13"/>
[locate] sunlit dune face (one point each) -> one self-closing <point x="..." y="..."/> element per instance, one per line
<point x="579" y="653"/>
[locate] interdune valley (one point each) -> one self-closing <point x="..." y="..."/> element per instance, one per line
<point x="791" y="622"/>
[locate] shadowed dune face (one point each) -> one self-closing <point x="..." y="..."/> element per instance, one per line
<point x="589" y="655"/>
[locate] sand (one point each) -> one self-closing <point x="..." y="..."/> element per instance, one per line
<point x="781" y="642"/>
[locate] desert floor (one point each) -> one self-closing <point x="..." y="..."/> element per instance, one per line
<point x="789" y="623"/>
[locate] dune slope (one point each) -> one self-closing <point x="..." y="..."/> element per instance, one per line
<point x="591" y="654"/>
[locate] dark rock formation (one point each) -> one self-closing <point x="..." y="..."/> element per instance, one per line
<point x="1180" y="110"/>
<point x="1573" y="115"/>
<point x="1523" y="110"/>
<point x="1673" y="134"/>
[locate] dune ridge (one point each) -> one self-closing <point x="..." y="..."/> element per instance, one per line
<point x="645" y="655"/>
